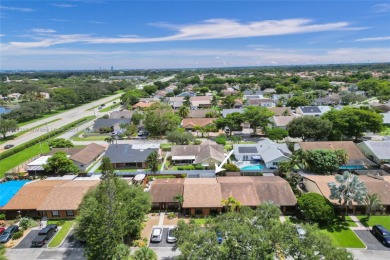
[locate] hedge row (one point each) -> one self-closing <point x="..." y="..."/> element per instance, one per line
<point x="44" y="137"/>
<point x="190" y="167"/>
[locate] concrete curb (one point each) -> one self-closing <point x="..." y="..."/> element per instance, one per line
<point x="67" y="234"/>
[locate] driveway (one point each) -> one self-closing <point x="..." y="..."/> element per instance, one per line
<point x="27" y="240"/>
<point x="71" y="242"/>
<point x="370" y="240"/>
<point x="163" y="242"/>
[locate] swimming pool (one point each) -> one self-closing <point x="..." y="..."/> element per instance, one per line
<point x="253" y="167"/>
<point x="9" y="189"/>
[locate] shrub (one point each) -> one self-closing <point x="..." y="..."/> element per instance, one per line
<point x="231" y="167"/>
<point x="166" y="149"/>
<point x="316" y="208"/>
<point x="196" y="142"/>
<point x="186" y="168"/>
<point x="221" y="139"/>
<point x="24" y="222"/>
<point x="171" y="215"/>
<point x="17" y="235"/>
<point x="199" y="167"/>
<point x="2" y="216"/>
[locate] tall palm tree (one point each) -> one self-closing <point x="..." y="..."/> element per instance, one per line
<point x="349" y="189"/>
<point x="187" y="101"/>
<point x="184" y="111"/>
<point x="373" y="201"/>
<point x="145" y="253"/>
<point x="231" y="203"/>
<point x="179" y="198"/>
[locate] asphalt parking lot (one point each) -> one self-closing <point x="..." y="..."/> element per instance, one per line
<point x="71" y="242"/>
<point x="370" y="240"/>
<point x="163" y="242"/>
<point x="26" y="242"/>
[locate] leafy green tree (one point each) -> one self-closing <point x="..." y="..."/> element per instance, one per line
<point x="309" y="127"/>
<point x="229" y="101"/>
<point x="229" y="167"/>
<point x="110" y="139"/>
<point x="179" y="137"/>
<point x="353" y="122"/>
<point x="131" y="130"/>
<point x="65" y="96"/>
<point x="122" y="252"/>
<point x="221" y="139"/>
<point x="144" y="253"/>
<point x="373" y="202"/>
<point x="277" y="133"/>
<point x="8" y="125"/>
<point x="180" y="199"/>
<point x="297" y="101"/>
<point x="348" y="98"/>
<point x="160" y="119"/>
<point x="152" y="161"/>
<point x="347" y="189"/>
<point x="187" y="101"/>
<point x="132" y="97"/>
<point x="258" y="117"/>
<point x="316" y="208"/>
<point x="114" y="207"/>
<point x="214" y="101"/>
<point x="184" y="111"/>
<point x="2" y="252"/>
<point x="233" y="121"/>
<point x="137" y="118"/>
<point x="60" y="143"/>
<point x="323" y="161"/>
<point x="150" y="89"/>
<point x="59" y="163"/>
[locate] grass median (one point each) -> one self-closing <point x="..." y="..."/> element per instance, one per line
<point x="65" y="225"/>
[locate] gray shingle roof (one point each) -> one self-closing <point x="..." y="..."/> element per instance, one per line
<point x="124" y="153"/>
<point x="109" y="122"/>
<point x="381" y="149"/>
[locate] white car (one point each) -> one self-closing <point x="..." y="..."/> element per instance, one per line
<point x="301" y="232"/>
<point x="156" y="235"/>
<point x="170" y="236"/>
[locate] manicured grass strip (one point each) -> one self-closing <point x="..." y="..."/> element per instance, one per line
<point x="375" y="220"/>
<point x="343" y="237"/>
<point x="52" y="113"/>
<point x="107" y="109"/>
<point x="59" y="237"/>
<point x="90" y="138"/>
<point x="22" y="156"/>
<point x="386" y="131"/>
<point x="350" y="222"/>
<point x="11" y="137"/>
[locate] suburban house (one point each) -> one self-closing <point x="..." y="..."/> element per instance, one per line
<point x="386" y="118"/>
<point x="380" y="185"/>
<point x="331" y="99"/>
<point x="130" y="155"/>
<point x="198" y="102"/>
<point x="312" y="110"/>
<point x="203" y="196"/>
<point x="269" y="91"/>
<point x="356" y="159"/>
<point x="228" y="111"/>
<point x="230" y="92"/>
<point x="53" y="197"/>
<point x="190" y="123"/>
<point x="377" y="151"/>
<point x="249" y="92"/>
<point x="87" y="156"/>
<point x="199" y="113"/>
<point x="264" y="102"/>
<point x="142" y="105"/>
<point x="282" y="121"/>
<point x="175" y="102"/>
<point x="163" y="191"/>
<point x="208" y="154"/>
<point x="281" y="111"/>
<point x="253" y="96"/>
<point x="113" y="124"/>
<point x="266" y="151"/>
<point x="121" y="114"/>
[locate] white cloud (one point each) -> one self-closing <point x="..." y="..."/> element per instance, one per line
<point x="18" y="9"/>
<point x="2" y="35"/>
<point x="384" y="38"/>
<point x="381" y="8"/>
<point x="41" y="30"/>
<point x="209" y="29"/>
<point x="64" y="5"/>
<point x="96" y="22"/>
<point x="59" y="20"/>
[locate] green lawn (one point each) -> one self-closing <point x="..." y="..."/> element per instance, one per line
<point x="52" y="113"/>
<point x="90" y="138"/>
<point x="375" y="220"/>
<point x="22" y="156"/>
<point x="59" y="237"/>
<point x="107" y="109"/>
<point x="201" y="221"/>
<point x="386" y="130"/>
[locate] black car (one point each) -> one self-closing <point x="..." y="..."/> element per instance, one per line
<point x="8" y="146"/>
<point x="7" y="234"/>
<point x="44" y="235"/>
<point x="382" y="234"/>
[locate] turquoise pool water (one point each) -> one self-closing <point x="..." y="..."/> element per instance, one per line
<point x="9" y="189"/>
<point x="253" y="167"/>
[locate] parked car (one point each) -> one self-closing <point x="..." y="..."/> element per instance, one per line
<point x="7" y="234"/>
<point x="156" y="235"/>
<point x="301" y="232"/>
<point x="8" y="146"/>
<point x="171" y="235"/>
<point x="382" y="234"/>
<point x="2" y="230"/>
<point x="44" y="235"/>
<point x="140" y="133"/>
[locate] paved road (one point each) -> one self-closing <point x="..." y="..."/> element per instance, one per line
<point x="362" y="254"/>
<point x="64" y="119"/>
<point x="370" y="240"/>
<point x="45" y="254"/>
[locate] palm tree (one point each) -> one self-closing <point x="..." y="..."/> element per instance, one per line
<point x="231" y="203"/>
<point x="179" y="198"/>
<point x="373" y="201"/>
<point x="184" y="111"/>
<point x="349" y="189"/>
<point x="110" y="139"/>
<point x="197" y="129"/>
<point x="187" y="101"/>
<point x="145" y="253"/>
<point x="152" y="161"/>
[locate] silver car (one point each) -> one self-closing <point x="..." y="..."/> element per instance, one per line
<point x="170" y="236"/>
<point x="301" y="232"/>
<point x="156" y="235"/>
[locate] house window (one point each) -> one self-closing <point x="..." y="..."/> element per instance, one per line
<point x="55" y="213"/>
<point x="275" y="163"/>
<point x="69" y="213"/>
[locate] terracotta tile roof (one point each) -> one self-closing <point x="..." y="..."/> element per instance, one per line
<point x="355" y="156"/>
<point x="88" y="154"/>
<point x="67" y="196"/>
<point x="202" y="193"/>
<point x="68" y="151"/>
<point x="143" y="105"/>
<point x="163" y="190"/>
<point x="191" y="122"/>
<point x="31" y="195"/>
<point x="199" y="113"/>
<point x="279" y="111"/>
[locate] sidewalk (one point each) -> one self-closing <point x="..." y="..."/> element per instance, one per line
<point x="359" y="225"/>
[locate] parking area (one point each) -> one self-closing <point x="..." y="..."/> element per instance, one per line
<point x="71" y="242"/>
<point x="163" y="242"/>
<point x="26" y="242"/>
<point x="370" y="240"/>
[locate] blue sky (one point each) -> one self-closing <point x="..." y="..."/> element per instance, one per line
<point x="190" y="34"/>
